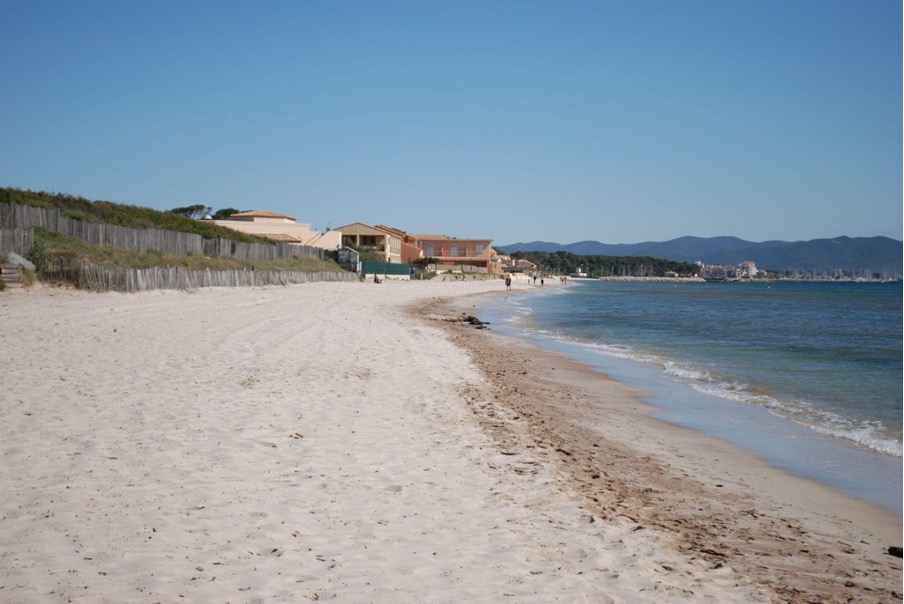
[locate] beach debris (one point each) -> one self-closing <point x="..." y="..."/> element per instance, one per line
<point x="462" y="318"/>
<point x="472" y="320"/>
<point x="895" y="550"/>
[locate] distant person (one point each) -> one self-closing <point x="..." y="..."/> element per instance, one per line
<point x="377" y="278"/>
<point x="508" y="283"/>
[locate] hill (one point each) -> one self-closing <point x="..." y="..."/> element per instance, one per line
<point x="850" y="254"/>
<point x="108" y="212"/>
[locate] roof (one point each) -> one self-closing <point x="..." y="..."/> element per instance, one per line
<point x="261" y="214"/>
<point x="383" y="227"/>
<point x="443" y="239"/>
<point x="359" y="228"/>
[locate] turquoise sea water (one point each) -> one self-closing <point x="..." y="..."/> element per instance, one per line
<point x="806" y="375"/>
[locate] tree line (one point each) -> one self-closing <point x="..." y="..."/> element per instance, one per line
<point x="565" y="263"/>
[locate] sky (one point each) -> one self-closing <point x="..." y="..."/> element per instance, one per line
<point x="563" y="121"/>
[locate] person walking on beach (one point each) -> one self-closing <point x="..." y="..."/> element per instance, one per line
<point x="508" y="283"/>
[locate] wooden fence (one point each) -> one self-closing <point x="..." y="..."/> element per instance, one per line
<point x="176" y="243"/>
<point x="19" y="241"/>
<point x="103" y="279"/>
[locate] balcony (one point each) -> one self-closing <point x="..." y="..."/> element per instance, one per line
<point x="448" y="254"/>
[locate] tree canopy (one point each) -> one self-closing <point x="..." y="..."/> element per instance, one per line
<point x="195" y="212"/>
<point x="224" y="213"/>
<point x="565" y="263"/>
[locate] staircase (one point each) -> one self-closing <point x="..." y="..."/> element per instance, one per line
<point x="11" y="275"/>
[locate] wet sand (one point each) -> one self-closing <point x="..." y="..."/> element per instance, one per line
<point x="718" y="507"/>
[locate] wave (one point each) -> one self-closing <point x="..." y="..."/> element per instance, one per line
<point x="869" y="434"/>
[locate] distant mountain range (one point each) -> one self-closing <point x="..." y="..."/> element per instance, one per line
<point x="878" y="254"/>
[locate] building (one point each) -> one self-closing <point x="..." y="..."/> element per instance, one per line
<point x="409" y="251"/>
<point x="716" y="272"/>
<point x="282" y="228"/>
<point x="384" y="246"/>
<point x="525" y="265"/>
<point x="457" y="254"/>
<point x="747" y="269"/>
<point x="501" y="263"/>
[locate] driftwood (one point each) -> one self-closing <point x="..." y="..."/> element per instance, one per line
<point x="471" y="319"/>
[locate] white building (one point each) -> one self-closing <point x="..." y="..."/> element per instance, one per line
<point x="747" y="269"/>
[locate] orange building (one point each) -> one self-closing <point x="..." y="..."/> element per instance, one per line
<point x="451" y="251"/>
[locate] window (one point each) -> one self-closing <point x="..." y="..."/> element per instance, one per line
<point x="430" y="253"/>
<point x="453" y="249"/>
<point x="478" y="247"/>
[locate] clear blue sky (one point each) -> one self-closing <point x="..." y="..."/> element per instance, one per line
<point x="561" y="121"/>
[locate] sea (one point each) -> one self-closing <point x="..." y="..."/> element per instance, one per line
<point x="806" y="375"/>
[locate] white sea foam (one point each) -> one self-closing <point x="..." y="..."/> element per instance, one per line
<point x="866" y="434"/>
<point x="869" y="435"/>
<point x="683" y="372"/>
<point x="823" y="422"/>
<point x="621" y="352"/>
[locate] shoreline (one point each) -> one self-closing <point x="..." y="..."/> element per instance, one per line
<point x="320" y="442"/>
<point x="754" y="513"/>
<point x="843" y="461"/>
<point x="767" y="280"/>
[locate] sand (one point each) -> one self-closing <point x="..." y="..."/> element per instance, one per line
<point x="324" y="442"/>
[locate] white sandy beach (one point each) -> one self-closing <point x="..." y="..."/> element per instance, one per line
<point x="318" y="442"/>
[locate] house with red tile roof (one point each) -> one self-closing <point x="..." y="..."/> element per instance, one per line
<point x="451" y="252"/>
<point x="458" y="254"/>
